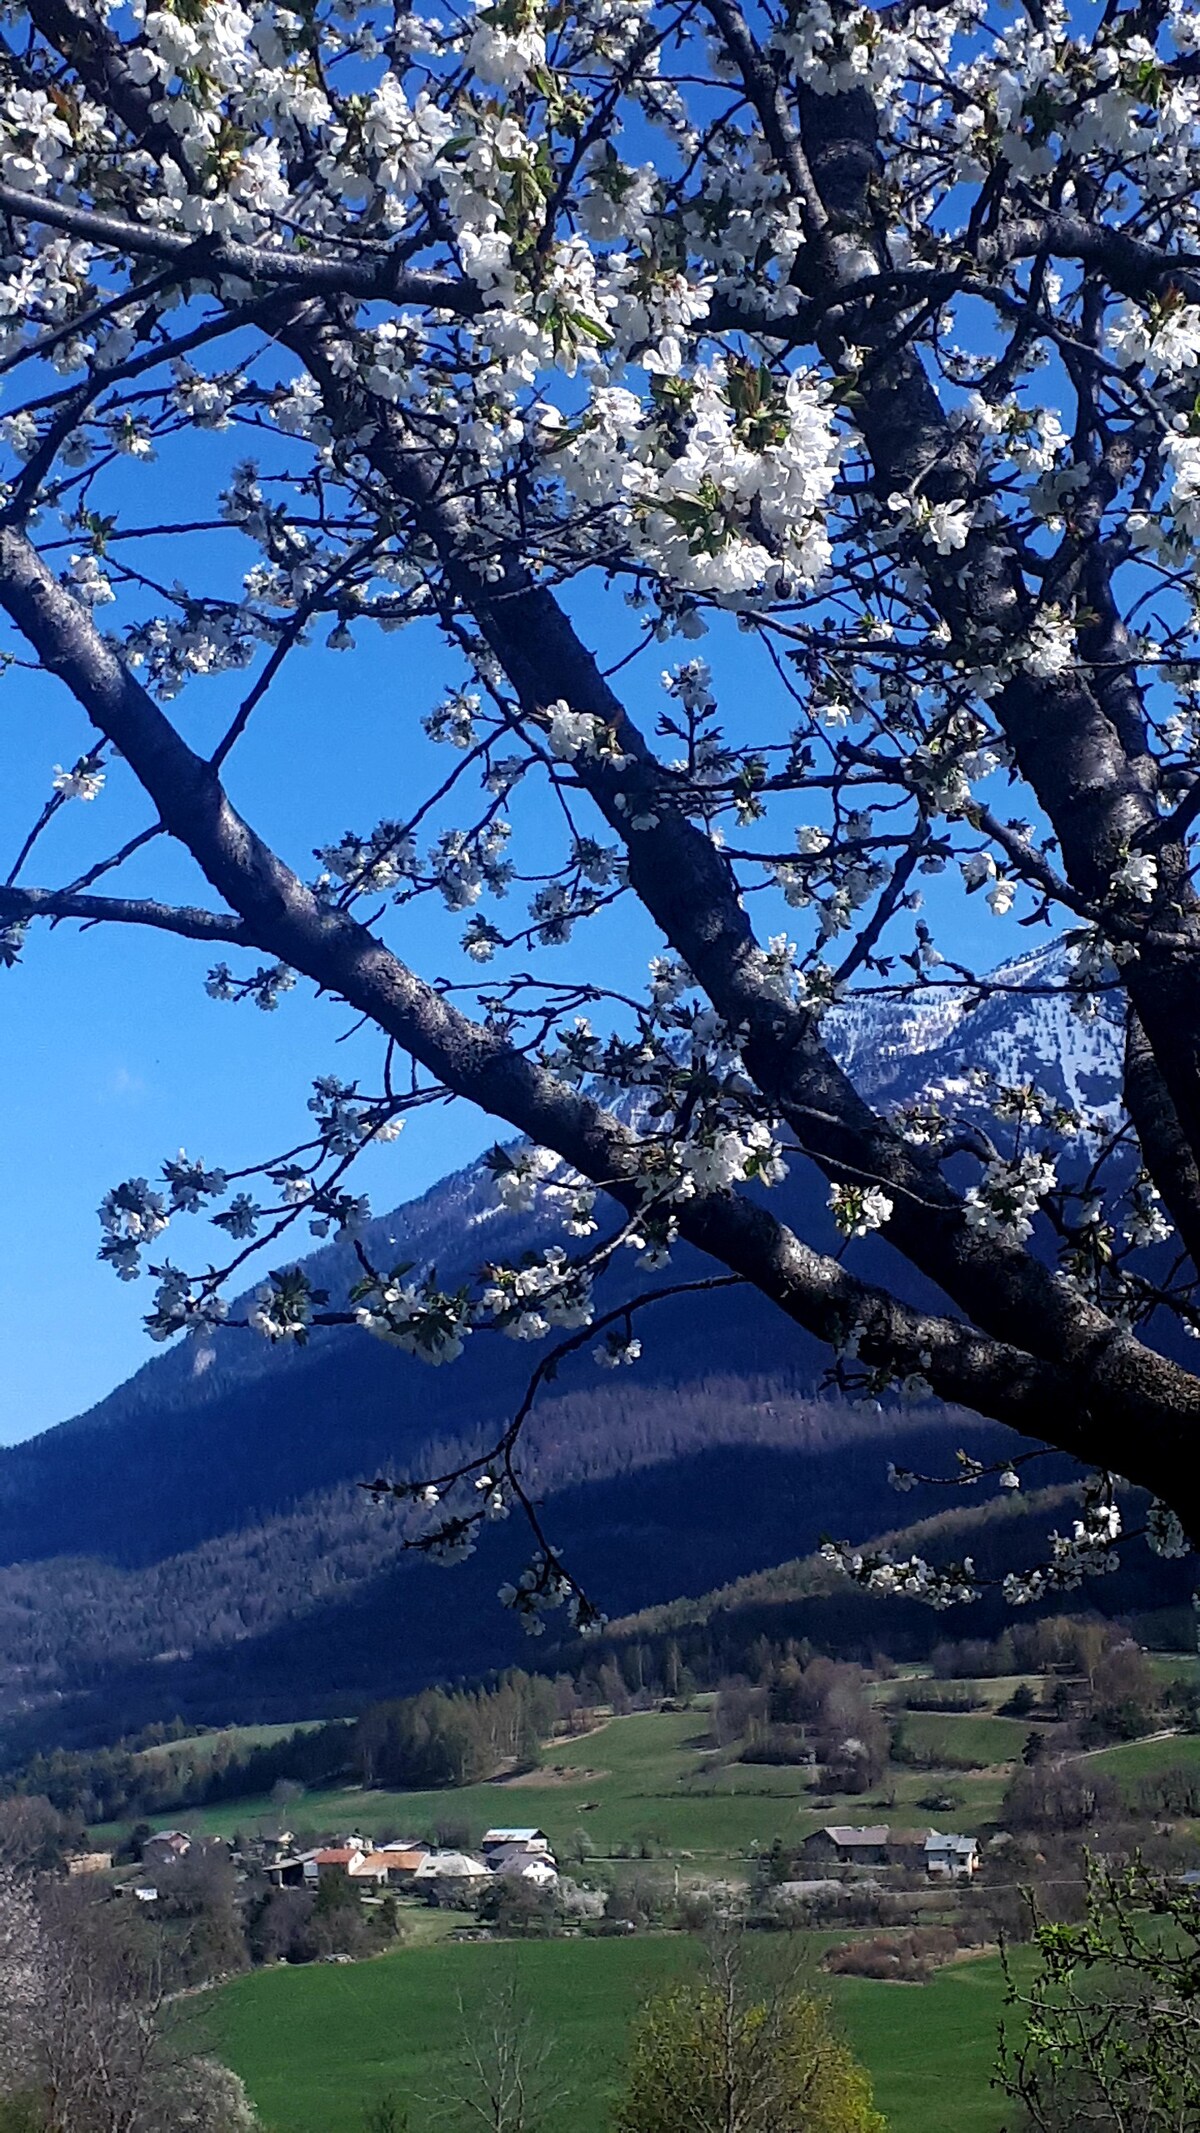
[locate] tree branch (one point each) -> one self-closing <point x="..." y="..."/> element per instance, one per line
<point x="380" y="277"/>
<point x="185" y="919"/>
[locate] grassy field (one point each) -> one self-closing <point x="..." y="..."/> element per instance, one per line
<point x="202" y="1747"/>
<point x="992" y="1692"/>
<point x="643" y="1784"/>
<point x="1140" y="1758"/>
<point x="316" y="2046"/>
<point x="959" y="1742"/>
<point x="1175" y="1666"/>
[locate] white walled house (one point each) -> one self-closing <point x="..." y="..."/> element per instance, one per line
<point x="517" y="1863"/>
<point x="950" y="1858"/>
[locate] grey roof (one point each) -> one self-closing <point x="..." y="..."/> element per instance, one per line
<point x="450" y="1866"/>
<point x="847" y="1836"/>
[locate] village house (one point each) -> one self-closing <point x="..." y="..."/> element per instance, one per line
<point x="950" y="1858"/>
<point x="942" y="1858"/>
<point x="849" y="1845"/>
<point x="519" y="1863"/>
<point x="332" y="1859"/>
<point x="393" y="1865"/>
<point x="370" y="1867"/>
<point x="401" y="1861"/>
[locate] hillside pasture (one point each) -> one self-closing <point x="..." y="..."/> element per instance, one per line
<point x="648" y="1784"/>
<point x="967" y="1741"/>
<point x="206" y="1747"/>
<point x="649" y="1780"/>
<point x="1130" y="1760"/>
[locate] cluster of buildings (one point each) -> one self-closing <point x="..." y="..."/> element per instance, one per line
<point x="438" y="1873"/>
<point x="424" y="1869"/>
<point x="942" y="1856"/>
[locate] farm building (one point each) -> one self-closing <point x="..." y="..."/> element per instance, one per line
<point x="286" y="1870"/>
<point x="849" y="1845"/>
<point x="461" y="1868"/>
<point x="401" y="1861"/>
<point x="530" y="1840"/>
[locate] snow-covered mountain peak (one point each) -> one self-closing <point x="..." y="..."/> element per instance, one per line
<point x="1019" y="1024"/>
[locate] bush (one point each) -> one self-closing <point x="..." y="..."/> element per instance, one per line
<point x="911" y="1956"/>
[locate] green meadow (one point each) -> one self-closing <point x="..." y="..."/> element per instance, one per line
<point x="317" y="2046"/>
<point x="647" y="1780"/>
<point x="647" y="1784"/>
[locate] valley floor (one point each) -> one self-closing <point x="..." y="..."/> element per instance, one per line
<point x="643" y="1796"/>
<point x="318" y="2046"/>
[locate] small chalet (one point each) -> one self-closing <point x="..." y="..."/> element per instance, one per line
<point x="950" y="1858"/>
<point x="529" y="1840"/>
<point x="849" y="1845"/>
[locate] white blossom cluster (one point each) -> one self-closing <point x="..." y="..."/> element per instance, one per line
<point x="544" y="1586"/>
<point x="858" y="1209"/>
<point x="938" y="1586"/>
<point x="416" y="1316"/>
<point x="1004" y="1204"/>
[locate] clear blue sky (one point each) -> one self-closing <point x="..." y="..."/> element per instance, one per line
<point x="112" y="1057"/>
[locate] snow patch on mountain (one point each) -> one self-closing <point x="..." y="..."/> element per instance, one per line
<point x="1019" y="1026"/>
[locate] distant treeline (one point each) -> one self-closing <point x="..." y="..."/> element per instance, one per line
<point x="437" y="1738"/>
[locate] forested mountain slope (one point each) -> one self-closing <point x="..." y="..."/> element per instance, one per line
<point x="199" y="1534"/>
